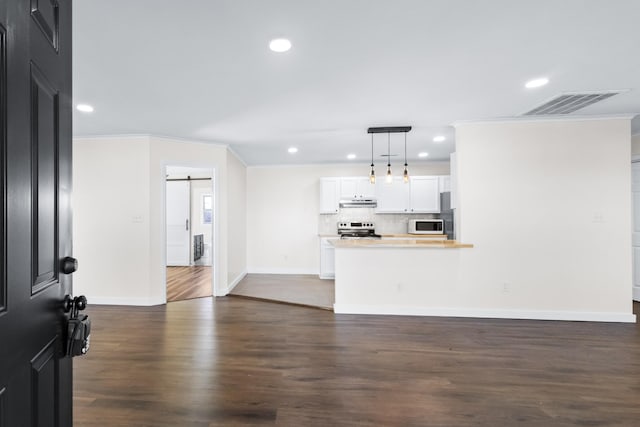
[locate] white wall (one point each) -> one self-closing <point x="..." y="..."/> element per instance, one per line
<point x="111" y="219"/>
<point x="283" y="218"/>
<point x="119" y="215"/>
<point x="547" y="206"/>
<point x="237" y="223"/>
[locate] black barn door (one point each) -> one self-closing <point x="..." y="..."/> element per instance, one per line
<point x="35" y="141"/>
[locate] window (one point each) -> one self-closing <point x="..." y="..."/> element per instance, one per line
<point x="207" y="208"/>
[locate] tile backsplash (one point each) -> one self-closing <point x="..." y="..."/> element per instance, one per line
<point x="385" y="223"/>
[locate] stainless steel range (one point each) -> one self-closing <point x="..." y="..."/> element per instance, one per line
<point x="357" y="230"/>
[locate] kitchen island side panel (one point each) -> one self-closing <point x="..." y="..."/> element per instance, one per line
<point x="433" y="281"/>
<point x="396" y="276"/>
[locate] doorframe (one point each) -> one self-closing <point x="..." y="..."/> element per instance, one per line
<point x="215" y="262"/>
<point x="635" y="291"/>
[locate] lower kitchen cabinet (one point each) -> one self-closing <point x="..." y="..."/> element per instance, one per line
<point x="327" y="259"/>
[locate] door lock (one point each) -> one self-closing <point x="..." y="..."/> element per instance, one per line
<point x="79" y="326"/>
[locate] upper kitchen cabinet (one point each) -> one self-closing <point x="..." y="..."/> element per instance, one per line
<point x="356" y="188"/>
<point x="424" y="194"/>
<point x="445" y="183"/>
<point x="393" y="197"/>
<point x="420" y="195"/>
<point x="329" y="195"/>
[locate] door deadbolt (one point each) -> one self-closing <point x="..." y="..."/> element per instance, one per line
<point x="69" y="265"/>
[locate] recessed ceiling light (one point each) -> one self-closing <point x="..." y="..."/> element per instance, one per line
<point x="423" y="154"/>
<point x="351" y="156"/>
<point x="280" y="45"/>
<point x="85" y="108"/>
<point x="292" y="150"/>
<point x="536" y="83"/>
<point x="439" y="138"/>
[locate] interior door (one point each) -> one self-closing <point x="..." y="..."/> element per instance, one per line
<point x="635" y="188"/>
<point x="35" y="140"/>
<point x="178" y="214"/>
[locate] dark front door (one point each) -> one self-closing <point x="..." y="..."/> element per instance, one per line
<point x="35" y="141"/>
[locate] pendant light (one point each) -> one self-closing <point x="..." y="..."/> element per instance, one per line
<point x="372" y="176"/>
<point x="389" y="130"/>
<point x="389" y="178"/>
<point x="405" y="175"/>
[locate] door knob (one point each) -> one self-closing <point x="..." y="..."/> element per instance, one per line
<point x="76" y="304"/>
<point x="69" y="265"/>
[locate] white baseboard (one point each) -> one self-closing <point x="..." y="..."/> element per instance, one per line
<point x="282" y="271"/>
<point x="124" y="301"/>
<point x="636" y="293"/>
<point x="235" y="281"/>
<point x="583" y="316"/>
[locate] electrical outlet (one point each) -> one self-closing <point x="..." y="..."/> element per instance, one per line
<point x="506" y="287"/>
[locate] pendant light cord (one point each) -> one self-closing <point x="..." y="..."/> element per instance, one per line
<point x="389" y="149"/>
<point x="371" y="150"/>
<point x="405" y="150"/>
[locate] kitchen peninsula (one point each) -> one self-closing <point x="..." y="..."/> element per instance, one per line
<point x="400" y="276"/>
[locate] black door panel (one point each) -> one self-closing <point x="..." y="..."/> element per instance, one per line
<point x="35" y="219"/>
<point x="44" y="151"/>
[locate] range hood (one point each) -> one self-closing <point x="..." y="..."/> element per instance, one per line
<point x="359" y="203"/>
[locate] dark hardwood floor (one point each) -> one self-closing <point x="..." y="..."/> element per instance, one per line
<point x="188" y="282"/>
<point x="233" y="361"/>
<point x="301" y="289"/>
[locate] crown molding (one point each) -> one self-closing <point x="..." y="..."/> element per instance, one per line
<point x="532" y="119"/>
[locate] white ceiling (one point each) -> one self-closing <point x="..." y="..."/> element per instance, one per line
<point x="202" y="70"/>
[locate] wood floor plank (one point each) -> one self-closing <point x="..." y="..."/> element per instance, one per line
<point x="232" y="361"/>
<point x="188" y="282"/>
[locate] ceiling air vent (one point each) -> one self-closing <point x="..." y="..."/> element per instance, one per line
<point x="570" y="102"/>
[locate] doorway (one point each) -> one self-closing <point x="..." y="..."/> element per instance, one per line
<point x="189" y="232"/>
<point x="635" y="217"/>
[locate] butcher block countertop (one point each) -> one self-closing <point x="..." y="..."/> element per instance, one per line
<point x="416" y="236"/>
<point x="400" y="243"/>
<point x="395" y="236"/>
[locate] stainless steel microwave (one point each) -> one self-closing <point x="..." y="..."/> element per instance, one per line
<point x="426" y="226"/>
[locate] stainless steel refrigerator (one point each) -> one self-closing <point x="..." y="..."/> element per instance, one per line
<point x="447" y="214"/>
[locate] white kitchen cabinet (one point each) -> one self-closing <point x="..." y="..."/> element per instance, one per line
<point x="356" y="188"/>
<point x="329" y="195"/>
<point x="445" y="183"/>
<point x="424" y="194"/>
<point x="420" y="195"/>
<point x="327" y="259"/>
<point x="392" y="197"/>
